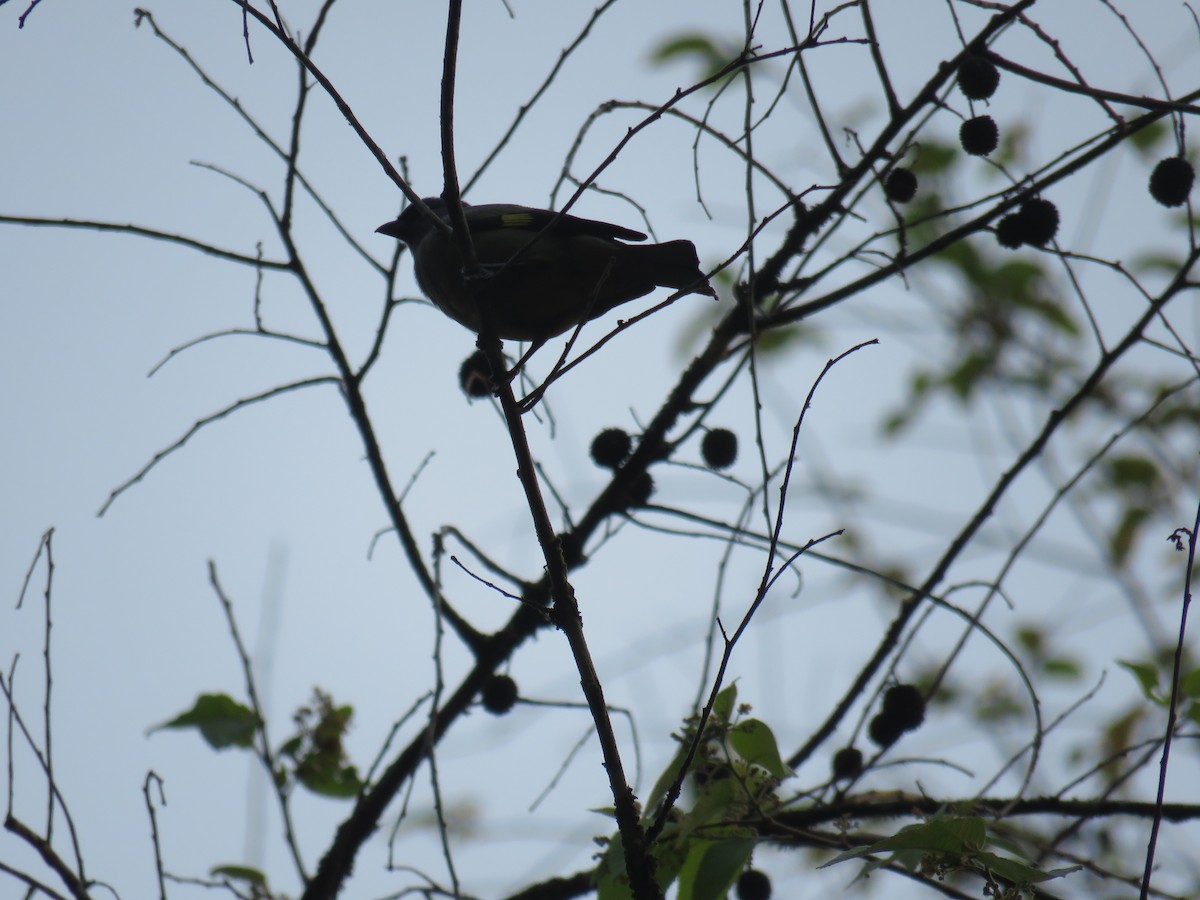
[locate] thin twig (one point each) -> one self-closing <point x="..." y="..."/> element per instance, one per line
<point x="208" y="420"/>
<point x="1173" y="703"/>
<point x="264" y="752"/>
<point x="152" y="777"/>
<point x="1054" y="421"/>
<point x="153" y="234"/>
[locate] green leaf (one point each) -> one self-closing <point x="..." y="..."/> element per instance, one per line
<point x="1145" y="140"/>
<point x="336" y="781"/>
<point x="920" y="387"/>
<point x="1189" y="684"/>
<point x="659" y="792"/>
<point x="669" y="857"/>
<point x="755" y="743"/>
<point x="1160" y="263"/>
<point x="960" y="841"/>
<point x="1033" y="640"/>
<point x="897" y="421"/>
<point x="780" y="341"/>
<point x="697" y="46"/>
<point x="967" y="375"/>
<point x="1053" y="314"/>
<point x="1124" y="538"/>
<point x="239" y="873"/>
<point x="1016" y="279"/>
<point x="722" y="714"/>
<point x="968" y="261"/>
<point x="292" y="746"/>
<point x="723" y="705"/>
<point x="1192" y="713"/>
<point x="690" y="44"/>
<point x="957" y="835"/>
<point x="221" y="720"/>
<point x="613" y="887"/>
<point x="316" y="752"/>
<point x="997" y="703"/>
<point x="1017" y="871"/>
<point x="712" y="867"/>
<point x="1147" y="677"/>
<point x="1062" y="667"/>
<point x="713" y="803"/>
<point x="612" y="883"/>
<point x="1133" y="471"/>
<point x="934" y="157"/>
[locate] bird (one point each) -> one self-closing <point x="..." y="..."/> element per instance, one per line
<point x="542" y="273"/>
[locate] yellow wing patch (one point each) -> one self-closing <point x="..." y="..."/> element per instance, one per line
<point x="516" y="220"/>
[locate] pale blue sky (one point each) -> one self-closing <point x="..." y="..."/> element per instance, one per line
<point x="101" y="121"/>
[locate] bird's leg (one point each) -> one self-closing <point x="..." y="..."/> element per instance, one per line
<point x="520" y="363"/>
<point x="534" y="397"/>
<point x="530" y="400"/>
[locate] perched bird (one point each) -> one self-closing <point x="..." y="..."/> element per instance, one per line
<point x="539" y="282"/>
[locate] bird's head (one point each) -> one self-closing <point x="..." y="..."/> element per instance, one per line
<point x="413" y="224"/>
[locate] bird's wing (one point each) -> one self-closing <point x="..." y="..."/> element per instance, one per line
<point x="490" y="217"/>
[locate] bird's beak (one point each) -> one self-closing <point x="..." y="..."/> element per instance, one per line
<point x="393" y="229"/>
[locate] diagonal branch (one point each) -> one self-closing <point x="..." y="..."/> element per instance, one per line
<point x="207" y="420"/>
<point x="1054" y="421"/>
<point x="153" y="234"/>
